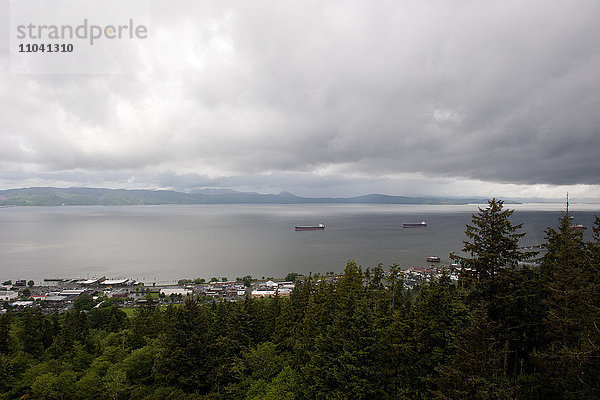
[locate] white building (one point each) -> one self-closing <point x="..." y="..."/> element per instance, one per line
<point x="8" y="295"/>
<point x="24" y="303"/>
<point x="263" y="293"/>
<point x="176" y="291"/>
<point x="115" y="282"/>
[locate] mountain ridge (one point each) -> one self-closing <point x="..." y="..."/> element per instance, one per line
<point x="54" y="196"/>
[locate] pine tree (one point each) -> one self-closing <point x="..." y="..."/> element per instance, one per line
<point x="478" y="369"/>
<point x="342" y="364"/>
<point x="571" y="359"/>
<point x="5" y="323"/>
<point x="437" y="317"/>
<point x="184" y="356"/>
<point x="564" y="268"/>
<point x="510" y="294"/>
<point x="492" y="246"/>
<point x="594" y="249"/>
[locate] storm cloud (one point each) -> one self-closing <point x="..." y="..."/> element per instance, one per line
<point x="308" y="96"/>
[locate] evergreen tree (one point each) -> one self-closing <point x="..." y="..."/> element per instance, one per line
<point x="519" y="311"/>
<point x="34" y="332"/>
<point x="343" y="364"/>
<point x="568" y="280"/>
<point x="570" y="360"/>
<point x="594" y="249"/>
<point x="478" y="368"/>
<point x="492" y="245"/>
<point x="184" y="357"/>
<point x="512" y="296"/>
<point x="110" y="319"/>
<point x="146" y="324"/>
<point x="5" y="324"/>
<point x="438" y="316"/>
<point x="231" y="337"/>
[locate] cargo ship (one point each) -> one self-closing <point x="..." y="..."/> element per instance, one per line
<point x="319" y="227"/>
<point x="421" y="224"/>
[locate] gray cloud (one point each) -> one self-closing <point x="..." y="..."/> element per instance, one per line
<point x="321" y="95"/>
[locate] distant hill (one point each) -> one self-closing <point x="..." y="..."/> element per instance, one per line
<point x="50" y="196"/>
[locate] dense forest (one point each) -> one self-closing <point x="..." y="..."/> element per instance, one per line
<point x="506" y="329"/>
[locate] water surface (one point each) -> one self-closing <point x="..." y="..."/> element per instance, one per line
<point x="167" y="243"/>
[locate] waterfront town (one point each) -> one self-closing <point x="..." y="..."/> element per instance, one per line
<point x="57" y="295"/>
<point x="60" y="294"/>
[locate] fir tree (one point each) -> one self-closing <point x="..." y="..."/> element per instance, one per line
<point x="567" y="278"/>
<point x="492" y="246"/>
<point x="5" y="323"/>
<point x="478" y="368"/>
<point x="571" y="359"/>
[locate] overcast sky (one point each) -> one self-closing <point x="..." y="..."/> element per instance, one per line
<point x="324" y="98"/>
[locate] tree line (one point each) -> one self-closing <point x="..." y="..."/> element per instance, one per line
<point x="505" y="330"/>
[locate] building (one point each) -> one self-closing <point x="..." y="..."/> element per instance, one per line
<point x="176" y="291"/>
<point x="284" y="292"/>
<point x="94" y="282"/>
<point x="115" y="282"/>
<point x="263" y="293"/>
<point x="58" y="299"/>
<point x="71" y="292"/>
<point x="7" y="295"/>
<point x="24" y="303"/>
